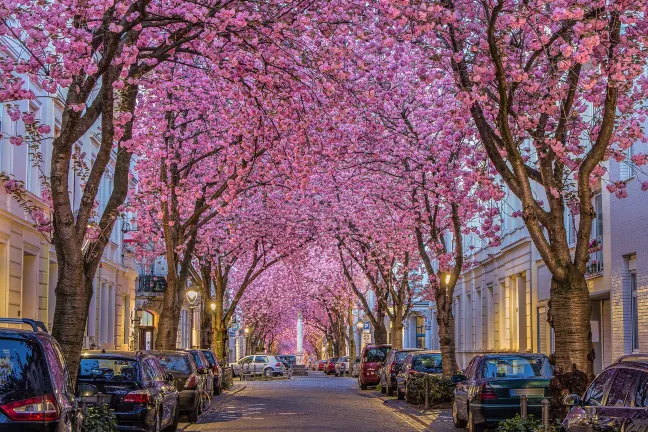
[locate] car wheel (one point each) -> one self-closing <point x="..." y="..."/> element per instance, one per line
<point x="458" y="423"/>
<point x="193" y="414"/>
<point x="472" y="426"/>
<point x="218" y="390"/>
<point x="156" y="425"/>
<point x="399" y="394"/>
<point x="268" y="373"/>
<point x="176" y="419"/>
<point x="362" y="385"/>
<point x="390" y="390"/>
<point x="383" y="389"/>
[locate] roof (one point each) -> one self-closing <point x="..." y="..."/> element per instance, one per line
<point x="159" y="352"/>
<point x="421" y="352"/>
<point x="132" y="355"/>
<point x="409" y="349"/>
<point x="21" y="333"/>
<point x="509" y="354"/>
<point x="640" y="359"/>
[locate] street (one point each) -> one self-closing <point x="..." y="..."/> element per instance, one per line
<point x="314" y="403"/>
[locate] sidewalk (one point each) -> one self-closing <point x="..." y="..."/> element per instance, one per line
<point x="216" y="404"/>
<point x="434" y="419"/>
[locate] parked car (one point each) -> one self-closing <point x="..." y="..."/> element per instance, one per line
<point x="216" y="370"/>
<point x="342" y="366"/>
<point x="490" y="389"/>
<point x="204" y="368"/>
<point x="371" y="360"/>
<point x="36" y="392"/>
<point x="189" y="382"/>
<point x="329" y="368"/>
<point x="617" y="399"/>
<point x="143" y="396"/>
<point x="321" y="365"/>
<point x="428" y="362"/>
<point x="259" y="364"/>
<point x="392" y="366"/>
<point x="355" y="372"/>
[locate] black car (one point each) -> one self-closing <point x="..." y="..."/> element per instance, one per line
<point x="428" y="362"/>
<point x="142" y="394"/>
<point x="188" y="381"/>
<point x="204" y="368"/>
<point x="216" y="370"/>
<point x="36" y="393"/>
<point x="490" y="389"/>
<point x="617" y="399"/>
<point x="392" y="366"/>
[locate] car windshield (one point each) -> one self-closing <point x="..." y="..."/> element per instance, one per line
<point x="333" y="360"/>
<point x="197" y="359"/>
<point x="210" y="357"/>
<point x="427" y="363"/>
<point x="517" y="367"/>
<point x="22" y="374"/>
<point x="177" y="363"/>
<point x="376" y="355"/>
<point x="108" y="369"/>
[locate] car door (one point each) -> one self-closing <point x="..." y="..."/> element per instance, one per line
<point x="245" y="365"/>
<point x="149" y="381"/>
<point x="582" y="416"/>
<point x="402" y="374"/>
<point x="462" y="388"/>
<point x="637" y="420"/>
<point x="168" y="391"/>
<point x="618" y="404"/>
<point x="260" y="363"/>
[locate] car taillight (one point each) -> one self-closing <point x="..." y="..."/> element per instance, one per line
<point x="413" y="372"/>
<point x="486" y="392"/>
<point x="39" y="408"/>
<point x="139" y="396"/>
<point x="191" y="382"/>
<point x="278" y="365"/>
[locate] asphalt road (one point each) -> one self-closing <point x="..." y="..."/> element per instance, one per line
<point x="313" y="403"/>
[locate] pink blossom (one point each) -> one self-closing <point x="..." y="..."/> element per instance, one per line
<point x="16" y="140"/>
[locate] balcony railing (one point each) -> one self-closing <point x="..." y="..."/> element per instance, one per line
<point x="595" y="263"/>
<point x="151" y="284"/>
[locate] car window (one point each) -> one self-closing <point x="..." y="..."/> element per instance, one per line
<point x="596" y="391"/>
<point x="261" y="359"/>
<point x="22" y="370"/>
<point x="641" y="396"/>
<point x="149" y="371"/>
<point x="400" y="356"/>
<point x="427" y="363"/>
<point x="618" y="395"/>
<point x="57" y="369"/>
<point x="198" y="359"/>
<point x="472" y="366"/>
<point x="375" y="355"/>
<point x="211" y="358"/>
<point x="108" y="369"/>
<point x="516" y="367"/>
<point x="245" y="360"/>
<point x="175" y="363"/>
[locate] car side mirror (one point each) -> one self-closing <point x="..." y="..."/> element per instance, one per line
<point x="571" y="400"/>
<point x="168" y="377"/>
<point x="459" y="377"/>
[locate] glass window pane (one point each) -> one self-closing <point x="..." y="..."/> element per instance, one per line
<point x="621" y="387"/>
<point x="596" y="391"/>
<point x="108" y="369"/>
<point x="22" y="370"/>
<point x="641" y="396"/>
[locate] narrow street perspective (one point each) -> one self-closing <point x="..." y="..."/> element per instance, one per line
<point x="324" y="215"/>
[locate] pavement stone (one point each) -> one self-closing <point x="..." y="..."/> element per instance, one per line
<point x="315" y="403"/>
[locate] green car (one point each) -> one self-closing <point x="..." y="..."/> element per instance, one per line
<point x="489" y="391"/>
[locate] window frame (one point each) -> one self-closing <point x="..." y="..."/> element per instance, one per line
<point x="634" y="312"/>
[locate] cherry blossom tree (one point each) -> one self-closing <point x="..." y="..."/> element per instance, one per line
<point x="554" y="89"/>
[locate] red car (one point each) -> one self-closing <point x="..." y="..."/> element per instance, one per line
<point x="321" y="364"/>
<point x="330" y="366"/>
<point x="372" y="359"/>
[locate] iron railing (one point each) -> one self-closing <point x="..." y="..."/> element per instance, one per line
<point x="152" y="284"/>
<point x="595" y="263"/>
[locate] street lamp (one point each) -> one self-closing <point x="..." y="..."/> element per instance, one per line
<point x="213" y="307"/>
<point x="360" y="326"/>
<point x="192" y="296"/>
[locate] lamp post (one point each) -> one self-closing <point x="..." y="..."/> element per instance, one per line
<point x="360" y="327"/>
<point x="137" y="319"/>
<point x="192" y="296"/>
<point x="247" y="340"/>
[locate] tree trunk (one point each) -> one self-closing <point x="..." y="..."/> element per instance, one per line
<point x="380" y="332"/>
<point x="397" y="328"/>
<point x="206" y="328"/>
<point x="352" y="345"/>
<point x="446" y="322"/>
<point x="569" y="315"/>
<point x="71" y="314"/>
<point x="167" y="334"/>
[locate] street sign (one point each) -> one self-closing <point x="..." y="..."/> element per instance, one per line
<point x="367" y="325"/>
<point x="366" y="338"/>
<point x="235" y="326"/>
<point x="232" y="333"/>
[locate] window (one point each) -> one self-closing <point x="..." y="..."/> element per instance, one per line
<point x="641" y="396"/>
<point x="621" y="387"/>
<point x="626" y="168"/>
<point x="106" y="369"/>
<point x="427" y="363"/>
<point x="542" y="330"/>
<point x="570" y="227"/>
<point x="178" y="363"/>
<point x="596" y="391"/>
<point x="420" y="332"/>
<point x="634" y="311"/>
<point x="22" y="369"/>
<point x="516" y="367"/>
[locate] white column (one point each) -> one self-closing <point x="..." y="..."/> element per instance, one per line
<point x="111" y="315"/>
<point x="92" y="314"/>
<point x="300" y="337"/>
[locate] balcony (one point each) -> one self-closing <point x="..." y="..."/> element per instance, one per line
<point x="150" y="285"/>
<point x="595" y="263"/>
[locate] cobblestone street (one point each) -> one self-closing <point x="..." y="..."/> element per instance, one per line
<point x="315" y="403"/>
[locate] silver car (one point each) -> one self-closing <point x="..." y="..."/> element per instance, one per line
<point x="342" y="366"/>
<point x="258" y="364"/>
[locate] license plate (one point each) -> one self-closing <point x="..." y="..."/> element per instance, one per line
<point x="537" y="392"/>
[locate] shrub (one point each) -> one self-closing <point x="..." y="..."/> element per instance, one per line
<point x="100" y="419"/>
<point x="440" y="390"/>
<point x="529" y="424"/>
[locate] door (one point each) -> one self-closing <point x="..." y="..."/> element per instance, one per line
<point x="146" y="339"/>
<point x="152" y="384"/>
<point x="260" y="363"/>
<point x="618" y="403"/>
<point x="462" y="388"/>
<point x="637" y="420"/>
<point x="582" y="416"/>
<point x="167" y="391"/>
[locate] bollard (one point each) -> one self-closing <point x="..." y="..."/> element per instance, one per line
<point x="427" y="395"/>
<point x="545" y="412"/>
<point x="523" y="406"/>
